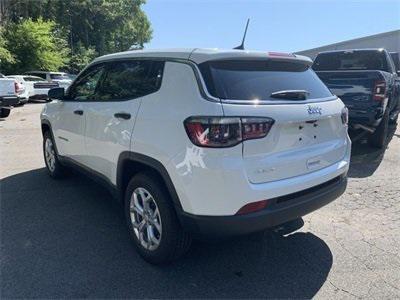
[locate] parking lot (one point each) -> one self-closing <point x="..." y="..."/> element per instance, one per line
<point x="68" y="238"/>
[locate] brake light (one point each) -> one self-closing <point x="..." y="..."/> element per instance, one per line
<point x="345" y="116"/>
<point x="252" y="207"/>
<point x="281" y="54"/>
<point x="222" y="132"/>
<point x="379" y="90"/>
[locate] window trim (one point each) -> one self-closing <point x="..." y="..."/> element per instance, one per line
<point x="199" y="79"/>
<point x="201" y="84"/>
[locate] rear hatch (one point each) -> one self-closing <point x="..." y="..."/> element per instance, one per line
<point x="7" y="87"/>
<point x="354" y="76"/>
<point x="354" y="88"/>
<point x="308" y="133"/>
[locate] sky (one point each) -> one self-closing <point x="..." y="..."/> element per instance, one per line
<point x="285" y="25"/>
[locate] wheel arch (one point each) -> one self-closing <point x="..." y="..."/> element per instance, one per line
<point x="45" y="125"/>
<point x="131" y="163"/>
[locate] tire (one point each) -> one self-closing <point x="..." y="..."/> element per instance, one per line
<point x="378" y="138"/>
<point x="55" y="169"/>
<point x="5" y="112"/>
<point x="169" y="241"/>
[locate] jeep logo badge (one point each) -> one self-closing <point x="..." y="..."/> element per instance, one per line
<point x="313" y="110"/>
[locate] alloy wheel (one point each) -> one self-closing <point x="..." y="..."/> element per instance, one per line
<point x="145" y="218"/>
<point x="50" y="155"/>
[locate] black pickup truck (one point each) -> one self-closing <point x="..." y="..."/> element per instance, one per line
<point x="367" y="82"/>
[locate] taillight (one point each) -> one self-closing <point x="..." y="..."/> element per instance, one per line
<point x="345" y="116"/>
<point x="379" y="91"/>
<point x="281" y="54"/>
<point x="18" y="87"/>
<point x="221" y="132"/>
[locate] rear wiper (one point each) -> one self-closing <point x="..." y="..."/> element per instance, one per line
<point x="290" y="95"/>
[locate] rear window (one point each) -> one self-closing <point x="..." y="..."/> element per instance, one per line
<point x="59" y="77"/>
<point x="41" y="75"/>
<point x="33" y="78"/>
<point x="351" y="60"/>
<point x="257" y="80"/>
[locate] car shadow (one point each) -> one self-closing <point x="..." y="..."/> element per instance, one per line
<point x="68" y="239"/>
<point x="365" y="159"/>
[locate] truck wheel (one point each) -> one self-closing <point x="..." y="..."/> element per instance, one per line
<point x="54" y="167"/>
<point x="5" y="112"/>
<point x="378" y="138"/>
<point x="152" y="221"/>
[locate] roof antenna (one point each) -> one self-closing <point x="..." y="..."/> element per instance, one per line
<point x="241" y="46"/>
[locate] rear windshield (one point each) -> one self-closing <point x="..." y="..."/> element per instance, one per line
<point x="60" y="77"/>
<point x="351" y="60"/>
<point x="257" y="80"/>
<point x="33" y="78"/>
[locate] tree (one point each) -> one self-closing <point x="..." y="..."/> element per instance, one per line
<point x="81" y="57"/>
<point x="106" y="25"/>
<point x="90" y="27"/>
<point x="5" y="55"/>
<point x="36" y="45"/>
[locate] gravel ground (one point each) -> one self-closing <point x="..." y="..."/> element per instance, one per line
<point x="68" y="239"/>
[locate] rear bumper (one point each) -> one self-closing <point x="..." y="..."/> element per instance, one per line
<point x="22" y="100"/>
<point x="8" y="101"/>
<point x="371" y="117"/>
<point x="279" y="210"/>
<point x="40" y="93"/>
<point x="39" y="97"/>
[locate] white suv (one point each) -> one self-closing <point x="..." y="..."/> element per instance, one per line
<point x="201" y="142"/>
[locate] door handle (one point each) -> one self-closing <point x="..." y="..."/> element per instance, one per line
<point x="78" y="112"/>
<point x="122" y="115"/>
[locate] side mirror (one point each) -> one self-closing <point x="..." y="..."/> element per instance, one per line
<point x="398" y="72"/>
<point x="56" y="93"/>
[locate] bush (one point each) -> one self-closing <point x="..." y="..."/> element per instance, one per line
<point x="35" y="45"/>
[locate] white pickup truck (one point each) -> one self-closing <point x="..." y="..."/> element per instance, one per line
<point x="8" y="95"/>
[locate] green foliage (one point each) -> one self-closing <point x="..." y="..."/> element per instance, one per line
<point x="81" y="57"/>
<point x="5" y="55"/>
<point x="36" y="45"/>
<point x="90" y="27"/>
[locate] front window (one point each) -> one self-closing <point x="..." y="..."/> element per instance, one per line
<point x="260" y="79"/>
<point x="84" y="87"/>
